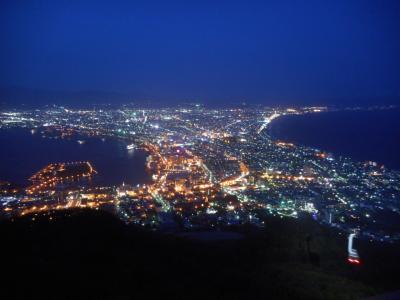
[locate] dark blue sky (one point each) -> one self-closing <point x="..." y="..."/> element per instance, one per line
<point x="266" y="52"/>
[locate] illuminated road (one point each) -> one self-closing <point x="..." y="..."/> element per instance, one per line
<point x="164" y="204"/>
<point x="267" y="121"/>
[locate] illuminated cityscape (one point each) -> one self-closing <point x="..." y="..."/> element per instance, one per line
<point x="210" y="169"/>
<point x="202" y="150"/>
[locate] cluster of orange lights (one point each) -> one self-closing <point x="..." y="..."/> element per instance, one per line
<point x="46" y="181"/>
<point x="284" y="144"/>
<point x="321" y="155"/>
<point x="170" y="159"/>
<point x="288" y="177"/>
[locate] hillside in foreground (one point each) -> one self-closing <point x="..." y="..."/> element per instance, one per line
<point x="92" y="255"/>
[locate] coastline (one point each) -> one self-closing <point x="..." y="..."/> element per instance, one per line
<point x="26" y="153"/>
<point x="344" y="133"/>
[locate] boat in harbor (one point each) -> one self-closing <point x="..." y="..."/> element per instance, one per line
<point x="131" y="147"/>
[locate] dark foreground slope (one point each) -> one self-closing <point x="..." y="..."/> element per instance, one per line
<point x="92" y="255"/>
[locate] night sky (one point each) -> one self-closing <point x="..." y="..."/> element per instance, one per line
<point x="210" y="51"/>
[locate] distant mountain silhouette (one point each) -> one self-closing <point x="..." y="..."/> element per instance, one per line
<point x="30" y="98"/>
<point x="21" y="97"/>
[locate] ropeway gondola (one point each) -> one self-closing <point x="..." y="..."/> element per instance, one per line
<point x="353" y="256"/>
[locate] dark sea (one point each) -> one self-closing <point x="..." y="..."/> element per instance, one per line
<point x="361" y="135"/>
<point x="23" y="153"/>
